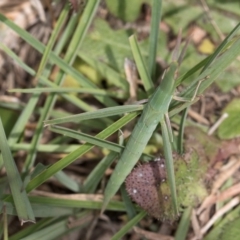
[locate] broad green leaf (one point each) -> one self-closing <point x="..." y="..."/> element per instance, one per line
<point x="230" y="128"/>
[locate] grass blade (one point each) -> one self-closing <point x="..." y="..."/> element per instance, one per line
<point x="169" y="165"/>
<point x="182" y="230"/>
<point x="153" y="38"/>
<point x="129" y="225"/>
<point x="96" y="175"/>
<point x="106" y="112"/>
<point x="88" y="138"/>
<point x="147" y="82"/>
<point x="21" y="201"/>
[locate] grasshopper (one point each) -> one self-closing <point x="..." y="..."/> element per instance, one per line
<point x="155" y="111"/>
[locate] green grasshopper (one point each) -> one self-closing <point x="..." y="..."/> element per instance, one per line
<point x="155" y="111"/>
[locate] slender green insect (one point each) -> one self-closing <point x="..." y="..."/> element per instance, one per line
<point x="154" y="112"/>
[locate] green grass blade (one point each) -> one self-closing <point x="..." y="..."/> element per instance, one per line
<point x="145" y="77"/>
<point x="62" y="18"/>
<point x="182" y="230"/>
<point x="129" y="225"/>
<point x="46" y="148"/>
<point x="21" y="201"/>
<point x="66" y="90"/>
<point x="62" y="163"/>
<point x="88" y="138"/>
<point x="93" y="179"/>
<point x="67" y="181"/>
<point x="106" y="112"/>
<point x="30" y="229"/>
<point x="169" y="165"/>
<point x="79" y="34"/>
<point x="181" y="131"/>
<point x="91" y="202"/>
<point x="42" y="210"/>
<point x="153" y="38"/>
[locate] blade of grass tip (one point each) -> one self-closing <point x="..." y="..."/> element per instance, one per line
<point x="20" y="198"/>
<point x="41" y="178"/>
<point x="101" y="113"/>
<point x="182" y="229"/>
<point x="67" y="181"/>
<point x="145" y="77"/>
<point x="129" y="225"/>
<point x="153" y="38"/>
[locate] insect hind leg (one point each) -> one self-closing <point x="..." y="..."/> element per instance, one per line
<point x="195" y="92"/>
